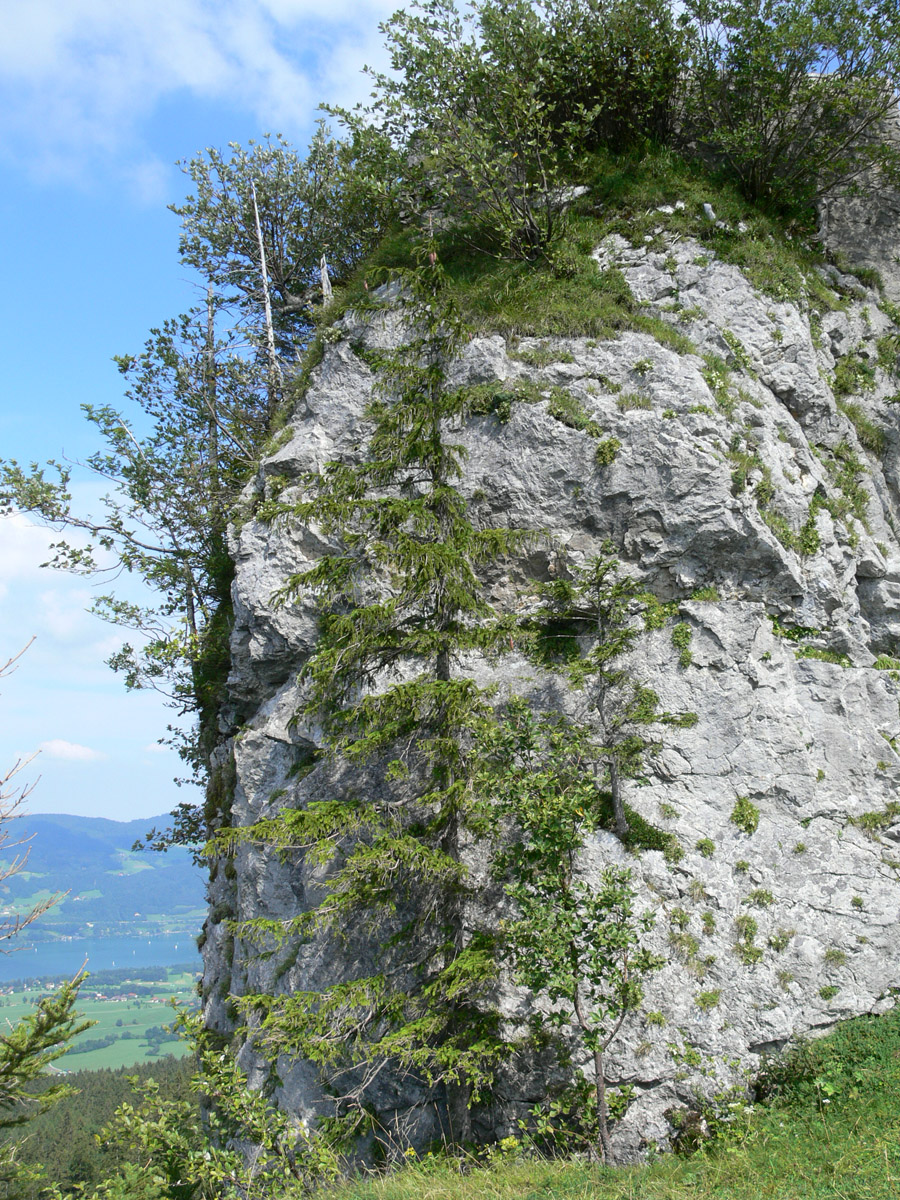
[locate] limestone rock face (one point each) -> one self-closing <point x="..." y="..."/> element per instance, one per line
<point x="731" y="488"/>
<point x="862" y="223"/>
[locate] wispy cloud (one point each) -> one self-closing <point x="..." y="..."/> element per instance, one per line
<point x="23" y="546"/>
<point x="70" y="751"/>
<point x="78" y="78"/>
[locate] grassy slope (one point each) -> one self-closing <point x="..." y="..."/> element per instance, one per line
<point x="830" y="1128"/>
<point x="564" y="294"/>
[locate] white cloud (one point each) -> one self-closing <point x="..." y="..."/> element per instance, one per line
<point x="62" y="613"/>
<point x="148" y="182"/>
<point x="23" y="547"/>
<point x="78" y="77"/>
<point x="51" y="605"/>
<point x="156" y="748"/>
<point x="70" y="751"/>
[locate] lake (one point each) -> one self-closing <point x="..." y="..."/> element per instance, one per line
<point x="102" y="954"/>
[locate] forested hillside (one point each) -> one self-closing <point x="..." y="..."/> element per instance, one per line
<point x="64" y="1140"/>
<point x="112" y="889"/>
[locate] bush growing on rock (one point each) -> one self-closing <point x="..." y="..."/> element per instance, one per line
<point x="793" y="94"/>
<point x="621" y="62"/>
<point x="495" y="111"/>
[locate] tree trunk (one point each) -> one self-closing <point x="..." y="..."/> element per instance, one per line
<point x="274" y="372"/>
<point x="599" y="1076"/>
<point x="615" y="787"/>
<point x="212" y="407"/>
<point x="602" y="1113"/>
<point x="459" y="1115"/>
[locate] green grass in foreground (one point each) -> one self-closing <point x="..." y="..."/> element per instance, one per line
<point x="830" y="1128"/>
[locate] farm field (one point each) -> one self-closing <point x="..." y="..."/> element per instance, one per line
<point x="123" y="1017"/>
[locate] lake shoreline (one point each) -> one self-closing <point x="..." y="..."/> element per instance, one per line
<point x="66" y="957"/>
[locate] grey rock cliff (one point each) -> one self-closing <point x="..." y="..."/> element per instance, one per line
<point x="863" y="223"/>
<point x="810" y="743"/>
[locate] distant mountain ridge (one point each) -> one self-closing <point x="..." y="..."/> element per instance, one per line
<point x="112" y="889"/>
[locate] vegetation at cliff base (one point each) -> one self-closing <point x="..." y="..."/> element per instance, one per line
<point x="826" y="1128"/>
<point x="64" y="1141"/>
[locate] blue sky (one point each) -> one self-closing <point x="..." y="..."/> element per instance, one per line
<point x="98" y="101"/>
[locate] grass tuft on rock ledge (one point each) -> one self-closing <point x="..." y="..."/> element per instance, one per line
<point x="828" y="1128"/>
<point x="564" y="293"/>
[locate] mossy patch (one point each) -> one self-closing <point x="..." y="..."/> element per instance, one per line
<point x="869" y="434"/>
<point x="497" y="398"/>
<point x="745" y="815"/>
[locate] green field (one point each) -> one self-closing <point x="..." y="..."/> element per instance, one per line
<point x="123" y="1019"/>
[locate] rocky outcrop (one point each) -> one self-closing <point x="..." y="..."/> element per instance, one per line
<point x="862" y="222"/>
<point x="743" y="490"/>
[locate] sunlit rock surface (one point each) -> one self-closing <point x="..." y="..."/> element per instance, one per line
<point x="809" y="743"/>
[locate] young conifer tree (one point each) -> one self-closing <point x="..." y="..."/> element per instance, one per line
<point x="402" y="610"/>
<point x="601" y="607"/>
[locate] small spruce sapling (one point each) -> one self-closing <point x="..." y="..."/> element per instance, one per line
<point x="401" y="602"/>
<point x="599" y="608"/>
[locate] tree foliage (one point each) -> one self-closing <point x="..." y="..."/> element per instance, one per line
<point x="464" y="104"/>
<point x="63" y="1140"/>
<point x="600" y="605"/>
<point x="200" y="406"/>
<point x="202" y="400"/>
<point x="495" y="112"/>
<point x="793" y="94"/>
<point x="27" y="1050"/>
<point x="335" y="202"/>
<point x="402" y="604"/>
<point x="616" y="71"/>
<point x="235" y="1142"/>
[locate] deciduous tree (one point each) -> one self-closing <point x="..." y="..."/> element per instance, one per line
<point x="575" y="939"/>
<point x="335" y="201"/>
<point x="466" y="106"/>
<point x="793" y="94"/>
<point x="174" y="465"/>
